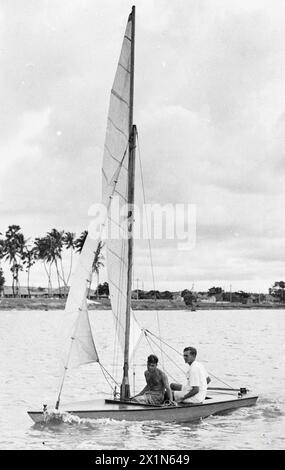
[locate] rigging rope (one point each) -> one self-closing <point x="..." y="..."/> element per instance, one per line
<point x="220" y="380"/>
<point x="164" y="342"/>
<point x="171" y="360"/>
<point x="105" y="373"/>
<point x="149" y="343"/>
<point x="153" y="351"/>
<point x="149" y="244"/>
<point x="169" y="346"/>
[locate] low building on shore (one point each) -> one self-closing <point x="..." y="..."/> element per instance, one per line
<point x="60" y="293"/>
<point x="8" y="292"/>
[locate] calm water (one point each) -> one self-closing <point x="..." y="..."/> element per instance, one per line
<point x="243" y="348"/>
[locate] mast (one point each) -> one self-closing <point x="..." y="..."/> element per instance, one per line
<point x="125" y="386"/>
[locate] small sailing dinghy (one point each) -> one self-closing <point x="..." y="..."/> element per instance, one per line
<point x="118" y="175"/>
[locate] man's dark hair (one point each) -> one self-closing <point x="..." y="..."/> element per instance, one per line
<point x="193" y="351"/>
<point x="152" y="359"/>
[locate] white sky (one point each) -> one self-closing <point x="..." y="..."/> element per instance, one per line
<point x="210" y="110"/>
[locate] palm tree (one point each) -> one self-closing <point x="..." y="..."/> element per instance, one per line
<point x="97" y="264"/>
<point x="15" y="270"/>
<point x="2" y="281"/>
<point x="2" y="243"/>
<point x="56" y="243"/>
<point x="2" y="248"/>
<point x="14" y="244"/>
<point x="29" y="259"/>
<point x="69" y="242"/>
<point x="79" y="242"/>
<point x="42" y="253"/>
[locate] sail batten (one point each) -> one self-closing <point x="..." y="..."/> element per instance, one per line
<point x="118" y="128"/>
<point x="120" y="97"/>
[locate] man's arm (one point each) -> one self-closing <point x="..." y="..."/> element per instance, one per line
<point x="175" y="387"/>
<point x="191" y="393"/>
<point x="166" y="385"/>
<point x="143" y="390"/>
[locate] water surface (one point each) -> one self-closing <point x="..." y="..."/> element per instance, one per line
<point x="244" y="348"/>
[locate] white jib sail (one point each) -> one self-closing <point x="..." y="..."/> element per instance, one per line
<point x="115" y="189"/>
<point x="79" y="346"/>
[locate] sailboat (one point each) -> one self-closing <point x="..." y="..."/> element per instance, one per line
<point x="118" y="176"/>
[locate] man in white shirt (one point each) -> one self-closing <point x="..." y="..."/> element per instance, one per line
<point x="195" y="390"/>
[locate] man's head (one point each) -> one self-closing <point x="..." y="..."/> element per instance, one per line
<point x="152" y="361"/>
<point x="189" y="354"/>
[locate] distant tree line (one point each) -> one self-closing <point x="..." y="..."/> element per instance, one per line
<point x="277" y="292"/>
<point x="21" y="254"/>
<point x="152" y="294"/>
<point x="103" y="289"/>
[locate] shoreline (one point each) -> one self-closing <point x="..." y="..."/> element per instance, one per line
<point x="104" y="304"/>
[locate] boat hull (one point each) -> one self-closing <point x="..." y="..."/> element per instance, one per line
<point x="99" y="409"/>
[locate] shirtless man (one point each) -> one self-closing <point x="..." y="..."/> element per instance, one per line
<point x="156" y="385"/>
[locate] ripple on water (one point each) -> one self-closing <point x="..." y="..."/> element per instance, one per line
<point x="272" y="412"/>
<point x="31" y="378"/>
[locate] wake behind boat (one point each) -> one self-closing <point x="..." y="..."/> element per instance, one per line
<point x="118" y="179"/>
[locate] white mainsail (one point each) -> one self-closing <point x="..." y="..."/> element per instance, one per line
<point x="115" y="189"/>
<point x="81" y="347"/>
